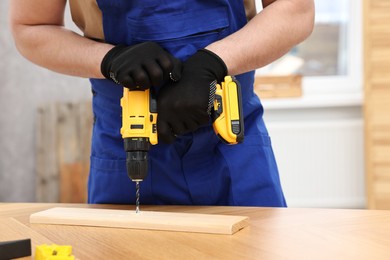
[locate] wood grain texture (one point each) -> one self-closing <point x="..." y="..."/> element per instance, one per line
<point x="47" y="176"/>
<point x="73" y="151"/>
<point x="171" y="221"/>
<point x="12" y="229"/>
<point x="376" y="103"/>
<point x="63" y="149"/>
<point x="278" y="86"/>
<point x="273" y="233"/>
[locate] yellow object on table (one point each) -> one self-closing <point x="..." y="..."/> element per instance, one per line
<point x="53" y="252"/>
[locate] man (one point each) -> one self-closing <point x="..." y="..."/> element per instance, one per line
<point x="177" y="48"/>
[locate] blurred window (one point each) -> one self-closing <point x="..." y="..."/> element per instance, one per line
<point x="332" y="52"/>
<point x="324" y="53"/>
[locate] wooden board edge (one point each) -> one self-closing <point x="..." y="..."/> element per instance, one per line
<point x="151" y="220"/>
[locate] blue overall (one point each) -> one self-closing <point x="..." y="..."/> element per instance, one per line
<point x="198" y="169"/>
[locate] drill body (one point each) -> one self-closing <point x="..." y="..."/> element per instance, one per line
<point x="227" y="114"/>
<point x="139" y="130"/>
<point x="139" y="122"/>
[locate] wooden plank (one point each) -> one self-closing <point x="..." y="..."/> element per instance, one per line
<point x="74" y="134"/>
<point x="85" y="124"/>
<point x="73" y="183"/>
<point x="278" y="86"/>
<point x="153" y="220"/>
<point x="376" y="62"/>
<point x="67" y="151"/>
<point x="63" y="140"/>
<point x="47" y="179"/>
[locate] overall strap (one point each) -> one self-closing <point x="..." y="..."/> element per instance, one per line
<point x="88" y="18"/>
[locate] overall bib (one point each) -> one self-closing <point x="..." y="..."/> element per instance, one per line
<point x="197" y="169"/>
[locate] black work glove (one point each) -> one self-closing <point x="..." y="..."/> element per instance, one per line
<point x="140" y="66"/>
<point x="184" y="106"/>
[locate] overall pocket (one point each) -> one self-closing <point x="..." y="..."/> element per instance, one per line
<point x="253" y="172"/>
<point x="108" y="182"/>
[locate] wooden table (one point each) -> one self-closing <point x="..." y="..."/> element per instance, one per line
<point x="273" y="233"/>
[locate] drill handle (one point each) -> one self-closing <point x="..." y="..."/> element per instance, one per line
<point x="227" y="114"/>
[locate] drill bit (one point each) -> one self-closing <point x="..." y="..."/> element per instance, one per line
<point x="137" y="197"/>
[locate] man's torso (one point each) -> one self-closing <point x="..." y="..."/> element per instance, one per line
<point x="88" y="17"/>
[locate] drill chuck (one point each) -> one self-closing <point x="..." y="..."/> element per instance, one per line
<point x="137" y="157"/>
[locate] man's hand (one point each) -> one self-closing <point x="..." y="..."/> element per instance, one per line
<point x="140" y="66"/>
<point x="183" y="106"/>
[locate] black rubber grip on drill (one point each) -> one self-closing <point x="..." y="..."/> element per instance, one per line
<point x="136" y="144"/>
<point x="137" y="157"/>
<point x="137" y="165"/>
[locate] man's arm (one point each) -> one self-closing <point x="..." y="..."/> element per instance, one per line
<point x="269" y="35"/>
<point x="40" y="36"/>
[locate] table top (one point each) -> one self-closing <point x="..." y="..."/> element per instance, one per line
<point x="273" y="233"/>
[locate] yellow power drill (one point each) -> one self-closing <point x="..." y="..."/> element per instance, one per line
<point x="139" y="124"/>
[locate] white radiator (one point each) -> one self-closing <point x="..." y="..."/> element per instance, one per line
<point x="321" y="164"/>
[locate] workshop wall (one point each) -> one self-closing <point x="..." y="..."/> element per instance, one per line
<point x="23" y="88"/>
